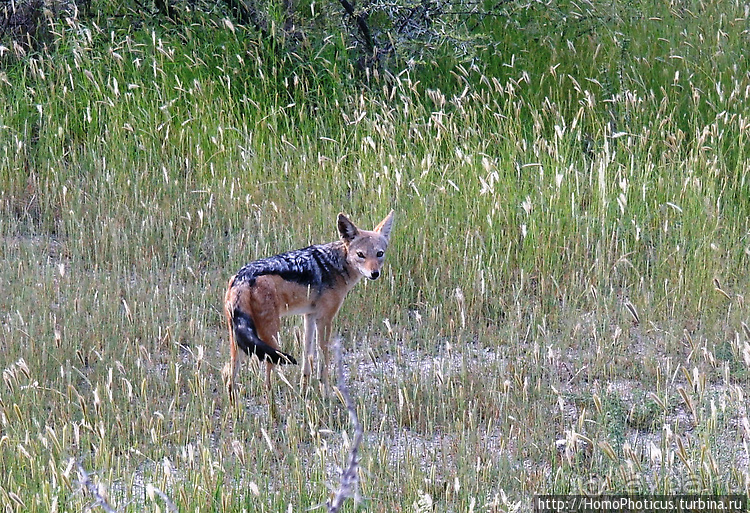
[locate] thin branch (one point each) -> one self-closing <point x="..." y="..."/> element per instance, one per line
<point x="361" y="20"/>
<point x="152" y="490"/>
<point x="85" y="479"/>
<point x="349" y="475"/>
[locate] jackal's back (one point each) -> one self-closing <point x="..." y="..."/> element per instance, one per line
<point x="317" y="266"/>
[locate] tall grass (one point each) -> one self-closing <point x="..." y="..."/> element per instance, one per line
<point x="563" y="309"/>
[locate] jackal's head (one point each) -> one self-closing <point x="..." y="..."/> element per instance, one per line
<point x="365" y="249"/>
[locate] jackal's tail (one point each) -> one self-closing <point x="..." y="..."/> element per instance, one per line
<point x="246" y="337"/>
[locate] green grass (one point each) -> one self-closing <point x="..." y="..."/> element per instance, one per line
<point x="568" y="263"/>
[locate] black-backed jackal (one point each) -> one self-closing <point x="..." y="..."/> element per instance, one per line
<point x="313" y="282"/>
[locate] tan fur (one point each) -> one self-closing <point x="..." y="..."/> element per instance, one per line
<point x="271" y="297"/>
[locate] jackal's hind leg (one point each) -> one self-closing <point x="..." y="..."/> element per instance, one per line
<point x="309" y="356"/>
<point x="229" y="372"/>
<point x="324" y="341"/>
<point x="273" y="411"/>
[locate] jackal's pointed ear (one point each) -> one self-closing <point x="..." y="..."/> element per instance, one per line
<point x="384" y="228"/>
<point x="347" y="230"/>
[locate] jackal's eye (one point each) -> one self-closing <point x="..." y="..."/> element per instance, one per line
<point x="380" y="254"/>
<point x="360" y="254"/>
